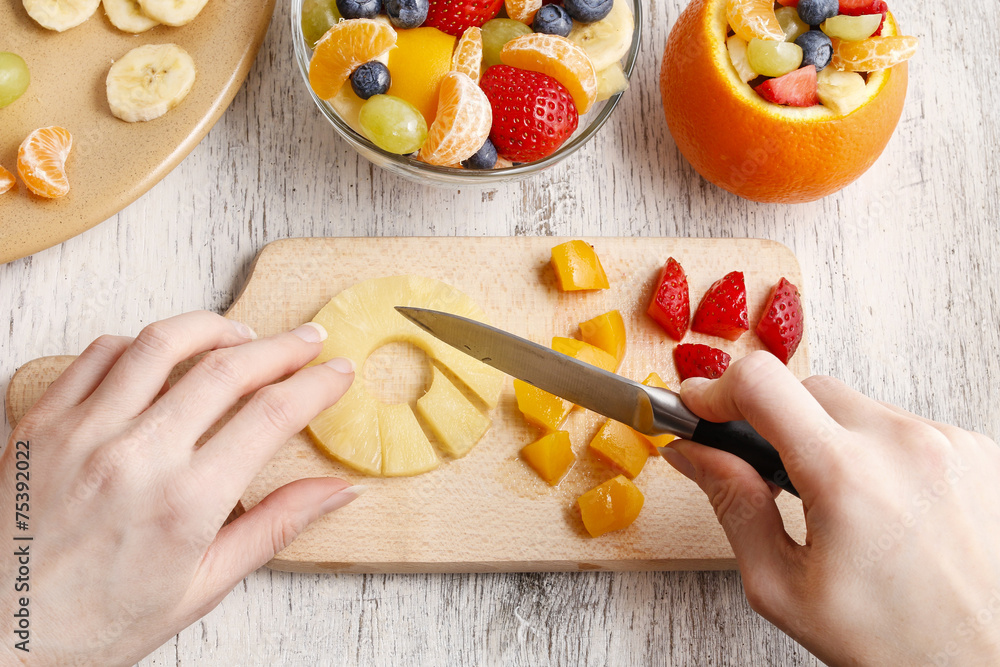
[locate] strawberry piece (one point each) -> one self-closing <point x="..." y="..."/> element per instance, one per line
<point x="796" y="89"/>
<point x="723" y="309"/>
<point x="780" y="329"/>
<point x="865" y="7"/>
<point x="456" y="16"/>
<point x="788" y="3"/>
<point x="700" y="361"/>
<point x="671" y="304"/>
<point x="533" y="114"/>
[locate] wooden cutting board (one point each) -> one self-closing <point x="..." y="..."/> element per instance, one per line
<point x="489" y="511"/>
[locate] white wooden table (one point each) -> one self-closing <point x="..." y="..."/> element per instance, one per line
<point x="902" y="274"/>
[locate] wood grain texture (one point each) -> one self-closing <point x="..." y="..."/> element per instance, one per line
<point x="489" y="512"/>
<point x="902" y="271"/>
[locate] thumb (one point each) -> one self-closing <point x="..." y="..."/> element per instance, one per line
<point x="744" y="504"/>
<point x="254" y="538"/>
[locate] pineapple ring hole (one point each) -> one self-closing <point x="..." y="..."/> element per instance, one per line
<point x="397" y="372"/>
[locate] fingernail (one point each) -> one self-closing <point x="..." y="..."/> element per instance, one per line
<point x="694" y="383"/>
<point x="342" y="497"/>
<point x="311" y="332"/>
<point x="243" y="330"/>
<point x="341" y="365"/>
<point x="677" y="460"/>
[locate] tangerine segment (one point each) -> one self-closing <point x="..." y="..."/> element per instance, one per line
<point x="755" y="149"/>
<point x="559" y="58"/>
<point x="754" y="18"/>
<point x="872" y="54"/>
<point x="463" y="122"/>
<point x="7" y="181"/>
<point x="468" y="57"/>
<point x="41" y="161"/>
<point x="522" y="10"/>
<point x="343" y="48"/>
<point x="418" y="63"/>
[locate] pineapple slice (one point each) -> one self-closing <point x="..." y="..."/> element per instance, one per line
<point x="456" y="423"/>
<point x="405" y="448"/>
<point x="363" y="318"/>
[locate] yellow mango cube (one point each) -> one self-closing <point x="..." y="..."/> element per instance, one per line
<point x="611" y="506"/>
<point x="551" y="456"/>
<point x="607" y="332"/>
<point x="577" y="267"/>
<point x="585" y="352"/>
<point x="620" y="447"/>
<point x="540" y="407"/>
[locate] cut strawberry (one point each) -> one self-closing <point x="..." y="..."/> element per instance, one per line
<point x="723" y="309"/>
<point x="788" y="3"/>
<point x="865" y="7"/>
<point x="795" y="89"/>
<point x="456" y="16"/>
<point x="533" y="114"/>
<point x="700" y="361"/>
<point x="780" y="329"/>
<point x="671" y="304"/>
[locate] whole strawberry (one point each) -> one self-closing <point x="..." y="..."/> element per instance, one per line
<point x="533" y="114"/>
<point x="700" y="361"/>
<point x="671" y="304"/>
<point x="780" y="329"/>
<point x="456" y="16"/>
<point x="723" y="309"/>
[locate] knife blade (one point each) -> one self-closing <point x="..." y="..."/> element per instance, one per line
<point x="649" y="410"/>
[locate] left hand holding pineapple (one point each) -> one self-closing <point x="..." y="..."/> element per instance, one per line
<point x="127" y="512"/>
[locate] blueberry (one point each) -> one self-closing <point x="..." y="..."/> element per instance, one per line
<point x="370" y="79"/>
<point x="817" y="49"/>
<point x="815" y="12"/>
<point x="484" y="158"/>
<point x="407" y="14"/>
<point x="588" y="11"/>
<point x="359" y="9"/>
<point x="552" y="20"/>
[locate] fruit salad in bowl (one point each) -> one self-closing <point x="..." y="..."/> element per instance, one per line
<point x="466" y="91"/>
<point x="785" y="101"/>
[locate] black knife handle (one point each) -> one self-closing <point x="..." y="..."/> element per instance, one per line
<point x="740" y="439"/>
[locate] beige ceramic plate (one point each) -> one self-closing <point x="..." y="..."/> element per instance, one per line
<point x="113" y="162"/>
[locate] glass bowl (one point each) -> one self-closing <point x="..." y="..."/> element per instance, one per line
<point x="422" y="172"/>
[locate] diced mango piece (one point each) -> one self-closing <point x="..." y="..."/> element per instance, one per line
<point x="551" y="456"/>
<point x="453" y="419"/>
<point x="578" y="267"/>
<point x="620" y="447"/>
<point x="654" y="380"/>
<point x="611" y="506"/>
<point x="585" y="352"/>
<point x="540" y="407"/>
<point x="607" y="332"/>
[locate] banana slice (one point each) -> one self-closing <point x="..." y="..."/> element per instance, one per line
<point x="127" y="16"/>
<point x="60" y="15"/>
<point x="172" y="12"/>
<point x="149" y="81"/>
<point x="608" y="40"/>
<point x="611" y="81"/>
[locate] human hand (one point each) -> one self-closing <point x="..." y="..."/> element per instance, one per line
<point x="901" y="563"/>
<point x="127" y="513"/>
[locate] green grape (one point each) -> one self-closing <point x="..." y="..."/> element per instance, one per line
<point x="318" y="16"/>
<point x="791" y="24"/>
<point x="14" y="77"/>
<point x="496" y="33"/>
<point x="393" y="124"/>
<point x="771" y="58"/>
<point x="851" y="28"/>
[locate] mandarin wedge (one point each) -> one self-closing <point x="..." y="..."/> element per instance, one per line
<point x="754" y="18"/>
<point x="522" y="10"/>
<point x="7" y="181"/>
<point x="559" y="58"/>
<point x="463" y="122"/>
<point x="758" y="150"/>
<point x="41" y="161"/>
<point x="468" y="58"/>
<point x="872" y="54"/>
<point x="343" y="48"/>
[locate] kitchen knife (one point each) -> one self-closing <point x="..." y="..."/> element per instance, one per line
<point x="649" y="410"/>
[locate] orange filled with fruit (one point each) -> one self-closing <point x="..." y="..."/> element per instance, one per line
<point x="784" y="102"/>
